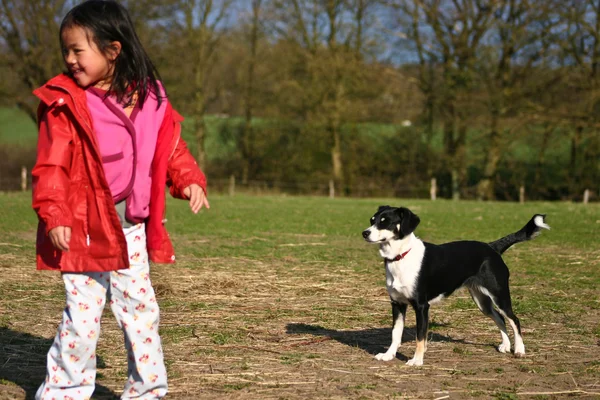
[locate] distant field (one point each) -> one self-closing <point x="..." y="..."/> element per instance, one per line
<point x="17" y="127"/>
<point x="279" y="298"/>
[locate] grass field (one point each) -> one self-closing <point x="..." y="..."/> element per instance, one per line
<point x="16" y="127"/>
<point x="279" y="298"/>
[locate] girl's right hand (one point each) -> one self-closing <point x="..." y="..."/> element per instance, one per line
<point x="197" y="197"/>
<point x="60" y="237"/>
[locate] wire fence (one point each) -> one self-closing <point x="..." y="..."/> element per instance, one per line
<point x="363" y="189"/>
<point x="273" y="187"/>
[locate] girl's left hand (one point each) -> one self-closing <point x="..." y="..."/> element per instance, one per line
<point x="197" y="197"/>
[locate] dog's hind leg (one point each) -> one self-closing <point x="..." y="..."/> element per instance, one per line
<point x="398" y="318"/>
<point x="493" y="282"/>
<point x="422" y="314"/>
<point x="485" y="304"/>
<point x="505" y="308"/>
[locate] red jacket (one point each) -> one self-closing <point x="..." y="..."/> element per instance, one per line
<point x="70" y="189"/>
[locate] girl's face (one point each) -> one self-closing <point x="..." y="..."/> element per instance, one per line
<point x="86" y="63"/>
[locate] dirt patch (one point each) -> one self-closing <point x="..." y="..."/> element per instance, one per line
<point x="248" y="329"/>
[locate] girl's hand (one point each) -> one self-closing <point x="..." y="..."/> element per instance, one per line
<point x="60" y="237"/>
<point x="197" y="197"/>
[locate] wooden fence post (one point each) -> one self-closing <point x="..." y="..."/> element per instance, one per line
<point x="586" y="196"/>
<point x="232" y="185"/>
<point x="23" y="178"/>
<point x="522" y="194"/>
<point x="433" y="190"/>
<point x="331" y="189"/>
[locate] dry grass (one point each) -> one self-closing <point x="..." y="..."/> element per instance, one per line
<point x="255" y="330"/>
<point x="307" y="327"/>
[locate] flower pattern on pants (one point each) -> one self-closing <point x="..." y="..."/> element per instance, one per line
<point x="71" y="361"/>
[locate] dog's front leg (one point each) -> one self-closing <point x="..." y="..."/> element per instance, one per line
<point x="398" y="318"/>
<point x="422" y="316"/>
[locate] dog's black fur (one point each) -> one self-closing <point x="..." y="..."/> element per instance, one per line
<point x="420" y="273"/>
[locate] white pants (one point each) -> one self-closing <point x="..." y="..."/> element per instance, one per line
<point x="71" y="368"/>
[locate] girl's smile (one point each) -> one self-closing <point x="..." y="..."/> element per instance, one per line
<point x="86" y="63"/>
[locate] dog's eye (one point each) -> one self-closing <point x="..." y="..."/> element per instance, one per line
<point x="382" y="219"/>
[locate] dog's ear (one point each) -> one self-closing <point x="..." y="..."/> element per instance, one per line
<point x="408" y="221"/>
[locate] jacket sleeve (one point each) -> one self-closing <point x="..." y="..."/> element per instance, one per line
<point x="50" y="174"/>
<point x="182" y="169"/>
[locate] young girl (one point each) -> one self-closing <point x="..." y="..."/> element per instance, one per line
<point x="109" y="142"/>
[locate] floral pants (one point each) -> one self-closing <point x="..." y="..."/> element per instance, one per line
<point x="71" y="365"/>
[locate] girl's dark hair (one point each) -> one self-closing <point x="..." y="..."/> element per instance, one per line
<point x="108" y="21"/>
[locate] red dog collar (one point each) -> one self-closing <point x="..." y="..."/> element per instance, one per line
<point x="398" y="257"/>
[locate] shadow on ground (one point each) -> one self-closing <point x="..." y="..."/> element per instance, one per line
<point x="373" y="341"/>
<point x="23" y="363"/>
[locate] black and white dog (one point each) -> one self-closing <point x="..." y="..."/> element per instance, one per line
<point x="420" y="273"/>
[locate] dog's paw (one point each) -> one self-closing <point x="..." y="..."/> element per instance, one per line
<point x="504" y="348"/>
<point x="415" y="362"/>
<point x="385" y="356"/>
<point x="520" y="351"/>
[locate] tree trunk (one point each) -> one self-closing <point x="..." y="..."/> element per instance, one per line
<point x="459" y="161"/>
<point x="200" y="135"/>
<point x="590" y="174"/>
<point x="336" y="159"/>
<point x="247" y="131"/>
<point x="453" y="147"/>
<point x="575" y="141"/>
<point x="336" y="96"/>
<point x="200" y="100"/>
<point x="334" y="131"/>
<point x="455" y="183"/>
<point x="542" y="156"/>
<point x="485" y="188"/>
<point x="200" y="128"/>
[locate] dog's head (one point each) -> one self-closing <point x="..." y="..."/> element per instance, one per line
<point x="391" y="223"/>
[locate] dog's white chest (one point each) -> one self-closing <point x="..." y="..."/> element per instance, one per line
<point x="401" y="278"/>
<point x="401" y="275"/>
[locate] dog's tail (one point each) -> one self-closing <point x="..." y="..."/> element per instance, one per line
<point x="528" y="232"/>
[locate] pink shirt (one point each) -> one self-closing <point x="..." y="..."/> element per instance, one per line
<point x="127" y="146"/>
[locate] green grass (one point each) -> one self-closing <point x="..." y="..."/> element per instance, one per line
<point x="275" y="296"/>
<point x="259" y="225"/>
<point x="315" y="229"/>
<point x="16" y="127"/>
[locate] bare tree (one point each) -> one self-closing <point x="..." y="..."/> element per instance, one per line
<point x="30" y="45"/>
<point x="515" y="44"/>
<point x="408" y="24"/>
<point x="29" y="32"/>
<point x="249" y="92"/>
<point x="449" y="33"/>
<point x="334" y="98"/>
<point x="581" y="42"/>
<point x="204" y="24"/>
<point x="330" y="37"/>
